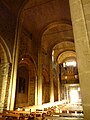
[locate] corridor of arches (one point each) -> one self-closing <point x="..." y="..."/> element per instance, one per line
<point x="44" y="53"/>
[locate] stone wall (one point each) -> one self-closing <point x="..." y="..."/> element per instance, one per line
<point x="4" y="78"/>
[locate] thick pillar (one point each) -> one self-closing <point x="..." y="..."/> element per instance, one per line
<point x="58" y="82"/>
<point x="39" y="75"/>
<point x="12" y="88"/>
<point x="51" y="83"/>
<point x="80" y="15"/>
<point x="36" y="100"/>
<point x="4" y="71"/>
<point x="58" y="89"/>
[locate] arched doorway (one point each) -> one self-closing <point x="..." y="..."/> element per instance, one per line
<point x="26" y="80"/>
<point x="22" y="87"/>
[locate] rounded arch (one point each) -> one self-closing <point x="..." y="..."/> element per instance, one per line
<point x="58" y="31"/>
<point x="26" y="60"/>
<point x="54" y="24"/>
<point x="64" y="55"/>
<point x="30" y="63"/>
<point x="22" y="86"/>
<point x="20" y="13"/>
<point x="6" y="49"/>
<point x="62" y="47"/>
<point x="26" y="73"/>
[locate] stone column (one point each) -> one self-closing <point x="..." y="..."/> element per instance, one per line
<point x="58" y="82"/>
<point x="58" y="89"/>
<point x="67" y="90"/>
<point x="36" y="91"/>
<point x="12" y="88"/>
<point x="4" y="70"/>
<point x="51" y="82"/>
<point x="80" y="15"/>
<point x="39" y="75"/>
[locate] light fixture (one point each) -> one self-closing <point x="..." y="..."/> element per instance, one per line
<point x="22" y="58"/>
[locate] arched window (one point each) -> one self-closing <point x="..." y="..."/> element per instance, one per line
<point x="21" y="88"/>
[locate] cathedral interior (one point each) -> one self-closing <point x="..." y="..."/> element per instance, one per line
<point x="44" y="53"/>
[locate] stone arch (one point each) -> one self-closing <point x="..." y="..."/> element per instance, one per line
<point x="26" y="71"/>
<point x="26" y="60"/>
<point x="64" y="55"/>
<point x="62" y="47"/>
<point x="48" y="44"/>
<point x="52" y="25"/>
<point x="6" y="49"/>
<point x="58" y="27"/>
<point x="22" y="86"/>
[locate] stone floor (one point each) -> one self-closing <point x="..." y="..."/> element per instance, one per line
<point x="63" y="118"/>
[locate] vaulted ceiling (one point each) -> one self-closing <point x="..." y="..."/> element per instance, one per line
<point x="46" y="21"/>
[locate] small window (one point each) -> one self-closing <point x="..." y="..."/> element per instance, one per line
<point x="0" y="60"/>
<point x="21" y="85"/>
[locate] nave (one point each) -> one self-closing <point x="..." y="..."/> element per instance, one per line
<point x="44" y="57"/>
